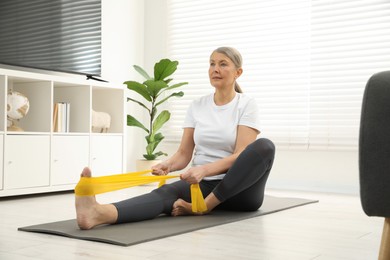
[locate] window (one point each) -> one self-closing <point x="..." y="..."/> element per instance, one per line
<point x="305" y="62"/>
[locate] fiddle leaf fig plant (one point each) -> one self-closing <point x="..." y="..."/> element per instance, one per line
<point x="152" y="93"/>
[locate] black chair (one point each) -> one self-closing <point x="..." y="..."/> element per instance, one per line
<point x="374" y="154"/>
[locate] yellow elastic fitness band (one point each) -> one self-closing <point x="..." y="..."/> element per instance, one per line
<point x="89" y="186"/>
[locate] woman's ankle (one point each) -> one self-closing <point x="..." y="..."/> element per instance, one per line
<point x="211" y="202"/>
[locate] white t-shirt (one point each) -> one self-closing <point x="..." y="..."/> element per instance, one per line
<point x="216" y="126"/>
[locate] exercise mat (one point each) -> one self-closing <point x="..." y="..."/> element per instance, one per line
<point x="163" y="226"/>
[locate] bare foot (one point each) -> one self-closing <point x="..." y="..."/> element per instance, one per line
<point x="90" y="213"/>
<point x="183" y="208"/>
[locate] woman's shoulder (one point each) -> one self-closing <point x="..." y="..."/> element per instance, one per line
<point x="203" y="100"/>
<point x="246" y="99"/>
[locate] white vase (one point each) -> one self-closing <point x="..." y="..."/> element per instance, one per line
<point x="143" y="164"/>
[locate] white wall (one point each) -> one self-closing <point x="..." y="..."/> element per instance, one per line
<point x="327" y="171"/>
<point x="122" y="38"/>
<point x="122" y="47"/>
<point x="155" y="32"/>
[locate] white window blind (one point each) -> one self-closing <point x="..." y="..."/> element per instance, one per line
<point x="305" y="62"/>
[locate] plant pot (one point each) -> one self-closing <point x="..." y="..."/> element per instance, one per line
<point x="143" y="164"/>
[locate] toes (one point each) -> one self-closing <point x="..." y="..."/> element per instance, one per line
<point x="86" y="172"/>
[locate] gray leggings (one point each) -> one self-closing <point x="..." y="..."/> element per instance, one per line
<point x="242" y="188"/>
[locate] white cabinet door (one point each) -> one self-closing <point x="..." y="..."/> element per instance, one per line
<point x="1" y="161"/>
<point x="26" y="161"/>
<point x="106" y="155"/>
<point x="70" y="154"/>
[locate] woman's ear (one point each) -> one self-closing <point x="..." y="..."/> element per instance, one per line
<point x="239" y="72"/>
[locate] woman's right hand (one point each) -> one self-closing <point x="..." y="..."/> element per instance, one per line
<point x="161" y="169"/>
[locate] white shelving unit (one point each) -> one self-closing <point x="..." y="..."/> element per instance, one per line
<point x="38" y="159"/>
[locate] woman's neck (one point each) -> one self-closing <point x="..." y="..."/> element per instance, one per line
<point x="223" y="97"/>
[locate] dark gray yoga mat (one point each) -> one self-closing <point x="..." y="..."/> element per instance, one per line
<point x="163" y="226"/>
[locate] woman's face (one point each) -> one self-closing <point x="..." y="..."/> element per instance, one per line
<point x="222" y="71"/>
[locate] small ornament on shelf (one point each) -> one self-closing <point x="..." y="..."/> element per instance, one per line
<point x="101" y="122"/>
<point x="17" y="108"/>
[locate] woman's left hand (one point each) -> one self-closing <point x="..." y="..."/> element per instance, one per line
<point x="194" y="175"/>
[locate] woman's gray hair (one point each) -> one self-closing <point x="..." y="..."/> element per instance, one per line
<point x="236" y="57"/>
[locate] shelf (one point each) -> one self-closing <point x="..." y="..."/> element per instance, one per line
<point x="9" y="133"/>
<point x="41" y="159"/>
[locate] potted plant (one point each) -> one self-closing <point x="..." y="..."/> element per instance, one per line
<point x="153" y="93"/>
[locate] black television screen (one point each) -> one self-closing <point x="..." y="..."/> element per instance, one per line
<point x="56" y="35"/>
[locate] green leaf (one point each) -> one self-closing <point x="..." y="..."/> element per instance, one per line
<point x="177" y="85"/>
<point x="159" y="137"/>
<point x="131" y="121"/>
<point x="153" y="141"/>
<point x="161" y="153"/>
<point x="176" y="94"/>
<point x="150" y="148"/>
<point x="154" y="156"/>
<point x="142" y="72"/>
<point x="161" y="119"/>
<point x="154" y="138"/>
<point x="154" y="87"/>
<point x="164" y="68"/>
<point x="139" y="88"/>
<point x="150" y="157"/>
<point x="139" y="103"/>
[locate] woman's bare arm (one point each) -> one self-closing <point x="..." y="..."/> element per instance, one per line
<point x="182" y="156"/>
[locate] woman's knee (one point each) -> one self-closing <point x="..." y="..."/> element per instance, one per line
<point x="264" y="147"/>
